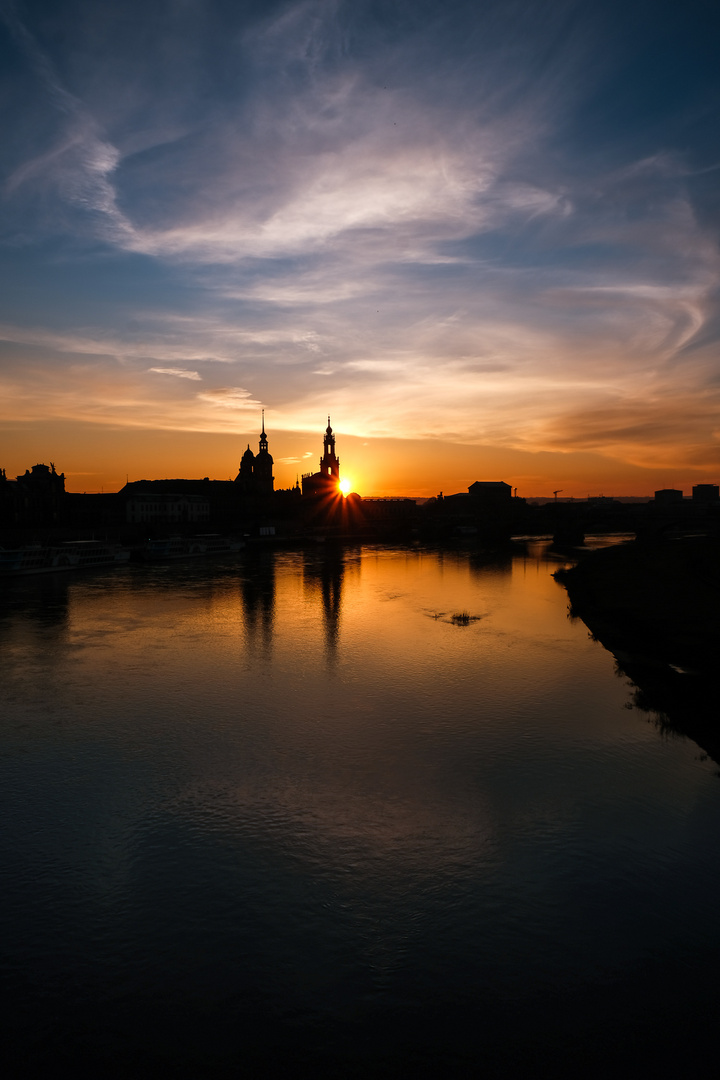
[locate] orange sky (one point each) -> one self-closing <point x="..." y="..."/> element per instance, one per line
<point x="96" y="458"/>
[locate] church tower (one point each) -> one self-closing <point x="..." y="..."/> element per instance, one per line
<point x="326" y="482"/>
<point x="329" y="463"/>
<point x="263" y="466"/>
<point x="244" y="478"/>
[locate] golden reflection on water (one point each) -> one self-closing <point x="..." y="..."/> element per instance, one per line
<point x="339" y="697"/>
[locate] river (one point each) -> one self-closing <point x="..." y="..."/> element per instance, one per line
<point x="360" y="812"/>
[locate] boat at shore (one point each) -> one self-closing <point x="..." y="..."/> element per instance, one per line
<point x="188" y="547"/>
<point x="58" y="558"/>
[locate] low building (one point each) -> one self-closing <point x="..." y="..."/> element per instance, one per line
<point x="491" y="492"/>
<point x="668" y="496"/>
<point x="706" y="494"/>
<point x="154" y="508"/>
<point x="388" y="515"/>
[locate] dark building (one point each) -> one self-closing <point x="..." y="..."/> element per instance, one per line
<point x="491" y="492"/>
<point x="326" y="481"/>
<point x="244" y="478"/>
<point x="487" y="510"/>
<point x="389" y="515"/>
<point x="256" y="471"/>
<point x="35" y="499"/>
<point x="180" y="504"/>
<point x="668" y="496"/>
<point x="705" y="494"/>
<point x="156" y="508"/>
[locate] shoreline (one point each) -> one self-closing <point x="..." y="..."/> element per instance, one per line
<point x="655" y="606"/>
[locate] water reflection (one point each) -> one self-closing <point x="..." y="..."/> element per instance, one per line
<point x="272" y="811"/>
<point x="495" y="562"/>
<point x="257" y="594"/>
<point x="323" y="574"/>
<point x="42" y="600"/>
<point x="34" y="627"/>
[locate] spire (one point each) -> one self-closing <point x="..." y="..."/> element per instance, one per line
<point x="263" y="436"/>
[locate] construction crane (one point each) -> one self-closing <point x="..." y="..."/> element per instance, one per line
<point x="558" y="492"/>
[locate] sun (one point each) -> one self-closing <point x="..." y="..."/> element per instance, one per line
<point x="345" y="486"/>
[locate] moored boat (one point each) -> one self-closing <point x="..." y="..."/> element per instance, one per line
<point x="56" y="558"/>
<point x="186" y="547"/>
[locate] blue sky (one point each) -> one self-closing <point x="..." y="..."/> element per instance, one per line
<point x="482" y="226"/>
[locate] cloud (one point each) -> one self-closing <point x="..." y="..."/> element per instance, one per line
<point x="181" y="373"/>
<point x="669" y="429"/>
<point x="80" y="162"/>
<point x="230" y="397"/>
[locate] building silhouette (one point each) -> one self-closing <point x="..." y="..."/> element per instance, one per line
<point x="668" y="496"/>
<point x="256" y="470"/>
<point x="37" y="498"/>
<point x="327" y="480"/>
<point x="706" y="494"/>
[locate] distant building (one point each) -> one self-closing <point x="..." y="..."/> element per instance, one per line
<point x="486" y="510"/>
<point x="706" y="493"/>
<point x="390" y="513"/>
<point x="37" y="498"/>
<point x="327" y="481"/>
<point x="157" y="508"/>
<point x="485" y="494"/>
<point x="668" y="496"/>
<point x="175" y="502"/>
<point x="491" y="492"/>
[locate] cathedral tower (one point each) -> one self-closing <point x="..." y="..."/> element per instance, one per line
<point x="256" y="470"/>
<point x="327" y="481"/>
<point x="263" y="467"/>
<point x="329" y="463"/>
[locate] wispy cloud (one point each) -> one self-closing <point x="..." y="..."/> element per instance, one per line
<point x="232" y="398"/>
<point x="179" y="372"/>
<point x="80" y="163"/>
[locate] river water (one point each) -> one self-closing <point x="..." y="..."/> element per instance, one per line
<point x="369" y="812"/>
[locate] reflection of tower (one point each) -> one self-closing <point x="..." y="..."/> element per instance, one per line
<point x="325" y="573"/>
<point x="332" y="579"/>
<point x="329" y="463"/>
<point x="257" y="592"/>
<point x="262" y="470"/>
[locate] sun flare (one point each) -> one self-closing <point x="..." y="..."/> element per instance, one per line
<point x="345" y="486"/>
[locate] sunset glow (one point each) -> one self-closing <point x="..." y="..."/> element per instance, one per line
<point x="484" y="239"/>
<point x="345" y="486"/>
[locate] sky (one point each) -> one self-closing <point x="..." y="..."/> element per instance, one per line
<point x="482" y="237"/>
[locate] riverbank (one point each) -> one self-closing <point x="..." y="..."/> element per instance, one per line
<point x="656" y="602"/>
<point x="655" y="607"/>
